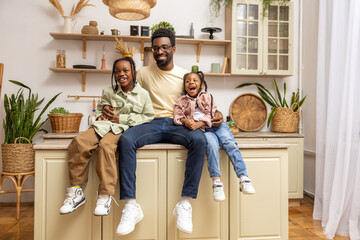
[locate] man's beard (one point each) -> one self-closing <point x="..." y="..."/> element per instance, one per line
<point x="164" y="63"/>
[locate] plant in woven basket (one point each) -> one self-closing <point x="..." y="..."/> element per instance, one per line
<point x="278" y="100"/>
<point x="59" y="110"/>
<point x="163" y="24"/>
<point x="20" y="111"/>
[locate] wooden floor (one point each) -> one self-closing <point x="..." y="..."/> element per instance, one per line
<point x="301" y="224"/>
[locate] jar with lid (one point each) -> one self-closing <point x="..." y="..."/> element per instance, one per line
<point x="60" y="59"/>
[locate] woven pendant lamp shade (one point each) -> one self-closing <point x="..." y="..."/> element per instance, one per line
<point x="130" y="10"/>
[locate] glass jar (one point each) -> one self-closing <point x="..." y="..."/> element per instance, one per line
<point x="60" y="59"/>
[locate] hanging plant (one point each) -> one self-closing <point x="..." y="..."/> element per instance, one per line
<point x="215" y="6"/>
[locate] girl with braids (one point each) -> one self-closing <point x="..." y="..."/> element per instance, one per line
<point x="131" y="105"/>
<point x="195" y="110"/>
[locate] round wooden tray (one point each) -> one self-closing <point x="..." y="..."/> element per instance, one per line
<point x="249" y="112"/>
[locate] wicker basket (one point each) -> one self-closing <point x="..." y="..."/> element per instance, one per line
<point x="18" y="157"/>
<point x="65" y="123"/>
<point x="285" y="120"/>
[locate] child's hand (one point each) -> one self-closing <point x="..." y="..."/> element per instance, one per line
<point x="196" y="125"/>
<point x="188" y="122"/>
<point x="217" y="120"/>
<point x="114" y="119"/>
<point x="101" y="118"/>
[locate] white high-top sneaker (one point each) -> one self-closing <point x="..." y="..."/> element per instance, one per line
<point x="245" y="185"/>
<point x="218" y="191"/>
<point x="74" y="199"/>
<point x="103" y="205"/>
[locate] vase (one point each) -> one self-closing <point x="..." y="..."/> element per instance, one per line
<point x="68" y="24"/>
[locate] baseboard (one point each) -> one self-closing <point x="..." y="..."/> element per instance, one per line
<point x="13" y="204"/>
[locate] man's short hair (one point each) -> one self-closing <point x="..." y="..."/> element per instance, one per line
<point x="164" y="32"/>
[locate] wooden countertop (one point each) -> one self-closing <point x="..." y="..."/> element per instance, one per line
<point x="60" y="141"/>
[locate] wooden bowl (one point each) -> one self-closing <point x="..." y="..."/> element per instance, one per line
<point x="249" y="112"/>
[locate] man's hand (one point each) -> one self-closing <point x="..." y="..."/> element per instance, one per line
<point x="217" y="119"/>
<point x="109" y="114"/>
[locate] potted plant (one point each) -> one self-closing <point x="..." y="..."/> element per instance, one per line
<point x="162" y="24"/>
<point x="20" y="126"/>
<point x="62" y="121"/>
<point x="284" y="116"/>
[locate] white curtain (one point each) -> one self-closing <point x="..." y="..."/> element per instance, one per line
<point x="337" y="194"/>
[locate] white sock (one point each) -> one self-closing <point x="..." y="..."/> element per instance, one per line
<point x="130" y="201"/>
<point x="216" y="180"/>
<point x="185" y="200"/>
<point x="244" y="178"/>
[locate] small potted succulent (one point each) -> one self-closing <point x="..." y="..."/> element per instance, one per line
<point x="163" y="24"/>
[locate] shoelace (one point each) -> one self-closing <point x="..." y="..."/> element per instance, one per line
<point x="103" y="200"/>
<point x="69" y="199"/>
<point x="128" y="213"/>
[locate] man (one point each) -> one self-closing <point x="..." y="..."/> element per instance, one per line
<point x="164" y="82"/>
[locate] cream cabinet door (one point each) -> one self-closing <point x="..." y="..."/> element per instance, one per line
<point x="150" y="194"/>
<point x="210" y="218"/>
<point x="263" y="215"/>
<point x="51" y="181"/>
<point x="296" y="165"/>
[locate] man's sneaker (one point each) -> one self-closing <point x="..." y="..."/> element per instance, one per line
<point x="245" y="185"/>
<point x="218" y="191"/>
<point x="103" y="205"/>
<point x="183" y="213"/>
<point x="131" y="215"/>
<point x="74" y="199"/>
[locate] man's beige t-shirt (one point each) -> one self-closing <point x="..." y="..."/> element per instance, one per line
<point x="164" y="87"/>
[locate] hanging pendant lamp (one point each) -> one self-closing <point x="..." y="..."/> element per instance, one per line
<point x="130" y="10"/>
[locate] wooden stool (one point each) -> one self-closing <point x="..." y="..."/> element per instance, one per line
<point x="18" y="179"/>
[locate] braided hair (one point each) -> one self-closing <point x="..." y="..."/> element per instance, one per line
<point x="202" y="80"/>
<point x="133" y="72"/>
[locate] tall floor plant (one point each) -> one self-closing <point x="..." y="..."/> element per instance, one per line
<point x="20" y="111"/>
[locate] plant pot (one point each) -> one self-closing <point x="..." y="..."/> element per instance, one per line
<point x="65" y="123"/>
<point x="18" y="157"/>
<point x="285" y="120"/>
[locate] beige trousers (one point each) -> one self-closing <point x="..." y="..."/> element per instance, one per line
<point x="79" y="155"/>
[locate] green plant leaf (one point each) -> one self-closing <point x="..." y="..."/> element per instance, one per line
<point x="284" y="100"/>
<point x="272" y="113"/>
<point x="278" y="93"/>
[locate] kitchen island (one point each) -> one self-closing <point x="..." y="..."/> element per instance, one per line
<point x="160" y="175"/>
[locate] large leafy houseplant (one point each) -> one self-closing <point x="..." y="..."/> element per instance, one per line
<point x="278" y="100"/>
<point x="20" y="111"/>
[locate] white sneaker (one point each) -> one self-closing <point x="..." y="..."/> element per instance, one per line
<point x="245" y="185"/>
<point x="218" y="191"/>
<point x="183" y="213"/>
<point x="103" y="205"/>
<point x="74" y="199"/>
<point x="131" y="215"/>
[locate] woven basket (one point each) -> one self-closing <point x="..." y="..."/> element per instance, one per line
<point x="65" y="123"/>
<point x="18" y="157"/>
<point x="285" y="120"/>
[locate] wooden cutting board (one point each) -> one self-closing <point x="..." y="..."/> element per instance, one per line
<point x="249" y="112"/>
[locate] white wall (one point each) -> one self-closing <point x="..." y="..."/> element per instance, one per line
<point x="27" y="50"/>
<point x="310" y="42"/>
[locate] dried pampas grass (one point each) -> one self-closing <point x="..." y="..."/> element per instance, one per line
<point x="79" y="6"/>
<point x="123" y="49"/>
<point x="57" y="5"/>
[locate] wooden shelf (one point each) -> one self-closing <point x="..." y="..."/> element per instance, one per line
<point x="90" y="37"/>
<point x="108" y="71"/>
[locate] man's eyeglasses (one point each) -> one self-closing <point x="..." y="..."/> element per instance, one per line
<point x="163" y="48"/>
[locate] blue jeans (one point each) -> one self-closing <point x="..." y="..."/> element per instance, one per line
<point x="222" y="136"/>
<point x="160" y="130"/>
